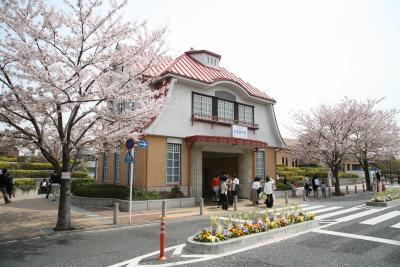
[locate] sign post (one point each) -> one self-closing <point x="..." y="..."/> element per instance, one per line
<point x="129" y="160"/>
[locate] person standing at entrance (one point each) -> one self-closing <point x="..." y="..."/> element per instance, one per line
<point x="215" y="182"/>
<point x="254" y="191"/>
<point x="269" y="191"/>
<point x="224" y="194"/>
<point x="235" y="185"/>
<point x="229" y="183"/>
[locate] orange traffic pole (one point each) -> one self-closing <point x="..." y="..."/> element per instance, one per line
<point x="162" y="234"/>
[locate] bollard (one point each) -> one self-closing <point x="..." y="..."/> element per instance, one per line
<point x="347" y="189"/>
<point x="363" y="187"/>
<point x="329" y="192"/>
<point x="235" y="201"/>
<point x="304" y="195"/>
<point x="286" y="197"/>
<point x="162" y="234"/>
<point x="116" y="210"/>
<point x="201" y="205"/>
<point x="355" y="189"/>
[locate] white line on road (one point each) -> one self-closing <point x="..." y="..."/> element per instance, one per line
<point x="361" y="237"/>
<point x="337" y="213"/>
<point x="396" y="225"/>
<point x="312" y="207"/>
<point x="382" y="218"/>
<point x="358" y="215"/>
<point x="326" y="209"/>
<point x="178" y="250"/>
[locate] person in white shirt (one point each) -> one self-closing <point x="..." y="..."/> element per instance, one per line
<point x="224" y="194"/>
<point x="269" y="190"/>
<point x="254" y="191"/>
<point x="235" y="185"/>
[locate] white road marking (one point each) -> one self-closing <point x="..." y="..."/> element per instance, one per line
<point x="358" y="215"/>
<point x="396" y="225"/>
<point x="326" y="209"/>
<point x="361" y="237"/>
<point x="337" y="213"/>
<point x="178" y="250"/>
<point x="312" y="208"/>
<point x="382" y="218"/>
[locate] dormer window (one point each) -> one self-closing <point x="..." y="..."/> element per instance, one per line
<point x="205" y="57"/>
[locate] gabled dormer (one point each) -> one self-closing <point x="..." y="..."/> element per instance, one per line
<point x="205" y="57"/>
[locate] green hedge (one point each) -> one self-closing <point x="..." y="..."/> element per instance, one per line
<point x="25" y="184"/>
<point x="295" y="172"/>
<point x="8" y="159"/>
<point x="42" y="174"/>
<point x="26" y="166"/>
<point x="348" y="175"/>
<point x="77" y="183"/>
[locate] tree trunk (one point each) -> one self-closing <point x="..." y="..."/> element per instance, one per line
<point x="335" y="173"/>
<point x="64" y="206"/>
<point x="367" y="175"/>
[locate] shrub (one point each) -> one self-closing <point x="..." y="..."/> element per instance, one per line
<point x="348" y="175"/>
<point x="26" y="166"/>
<point x="102" y="191"/>
<point x="77" y="183"/>
<point x="79" y="174"/>
<point x="25" y="184"/>
<point x="176" y="192"/>
<point x="8" y="159"/>
<point x="30" y="173"/>
<point x="282" y="187"/>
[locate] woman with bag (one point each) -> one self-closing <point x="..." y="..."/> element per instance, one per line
<point x="254" y="191"/>
<point x="269" y="191"/>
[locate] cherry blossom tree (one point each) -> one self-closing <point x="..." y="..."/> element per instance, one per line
<point x="375" y="135"/>
<point x="73" y="77"/>
<point x="324" y="135"/>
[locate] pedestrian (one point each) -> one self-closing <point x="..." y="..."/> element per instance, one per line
<point x="314" y="186"/>
<point x="378" y="180"/>
<point x="293" y="186"/>
<point x="323" y="189"/>
<point x="43" y="186"/>
<point x="269" y="191"/>
<point x="215" y="182"/>
<point x="3" y="185"/>
<point x="284" y="179"/>
<point x="229" y="183"/>
<point x="54" y="186"/>
<point x="255" y="186"/>
<point x="235" y="185"/>
<point x="224" y="194"/>
<point x="10" y="183"/>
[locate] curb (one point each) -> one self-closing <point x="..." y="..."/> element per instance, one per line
<point x="236" y="243"/>
<point x="383" y="204"/>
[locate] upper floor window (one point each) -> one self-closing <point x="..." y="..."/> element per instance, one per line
<point x="260" y="164"/>
<point x="105" y="166"/>
<point x="173" y="163"/>
<point x="245" y="113"/>
<point x="202" y="105"/>
<point x="116" y="167"/>
<point x="225" y="109"/>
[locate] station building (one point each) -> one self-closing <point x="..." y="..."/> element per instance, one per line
<point x="215" y="122"/>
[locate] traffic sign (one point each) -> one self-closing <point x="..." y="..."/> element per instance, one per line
<point x="65" y="175"/>
<point x="129" y="157"/>
<point x="143" y="144"/>
<point x="129" y="143"/>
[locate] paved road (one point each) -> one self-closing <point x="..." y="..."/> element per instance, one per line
<point x="104" y="248"/>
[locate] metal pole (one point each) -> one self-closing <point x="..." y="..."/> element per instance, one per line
<point x="286" y="197"/>
<point x="329" y="192"/>
<point x="355" y="189"/>
<point x="162" y="234"/>
<point x="116" y="210"/>
<point x="347" y="189"/>
<point x="363" y="185"/>
<point x="304" y="195"/>
<point x="201" y="205"/>
<point x="235" y="200"/>
<point x="130" y="189"/>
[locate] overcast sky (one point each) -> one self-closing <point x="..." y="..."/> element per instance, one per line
<point x="302" y="53"/>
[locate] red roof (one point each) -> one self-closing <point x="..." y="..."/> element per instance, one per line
<point x="188" y="67"/>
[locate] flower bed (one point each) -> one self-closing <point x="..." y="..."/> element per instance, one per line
<point x="242" y="224"/>
<point x="384" y="199"/>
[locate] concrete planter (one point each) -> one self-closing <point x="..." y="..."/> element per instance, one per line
<point x="252" y="239"/>
<point x="383" y="204"/>
<point x="143" y="205"/>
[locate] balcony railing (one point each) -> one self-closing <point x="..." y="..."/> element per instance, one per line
<point x="223" y="121"/>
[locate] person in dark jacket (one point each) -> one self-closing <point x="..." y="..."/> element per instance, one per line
<point x="54" y="181"/>
<point x="3" y="185"/>
<point x="10" y="184"/>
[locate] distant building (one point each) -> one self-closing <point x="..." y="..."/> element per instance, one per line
<point x="285" y="157"/>
<point x="215" y="123"/>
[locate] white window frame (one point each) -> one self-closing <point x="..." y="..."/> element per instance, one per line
<point x="202" y="105"/>
<point x="175" y="171"/>
<point x="226" y="109"/>
<point x="260" y="164"/>
<point x="245" y="113"/>
<point x="117" y="161"/>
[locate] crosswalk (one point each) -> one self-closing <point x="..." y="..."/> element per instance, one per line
<point x="343" y="214"/>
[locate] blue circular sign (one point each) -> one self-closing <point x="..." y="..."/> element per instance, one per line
<point x="129" y="143"/>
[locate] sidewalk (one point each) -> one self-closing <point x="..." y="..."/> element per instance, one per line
<point x="27" y="218"/>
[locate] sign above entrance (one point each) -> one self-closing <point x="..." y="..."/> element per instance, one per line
<point x="239" y="131"/>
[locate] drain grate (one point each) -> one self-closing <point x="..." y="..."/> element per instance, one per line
<point x="47" y="231"/>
